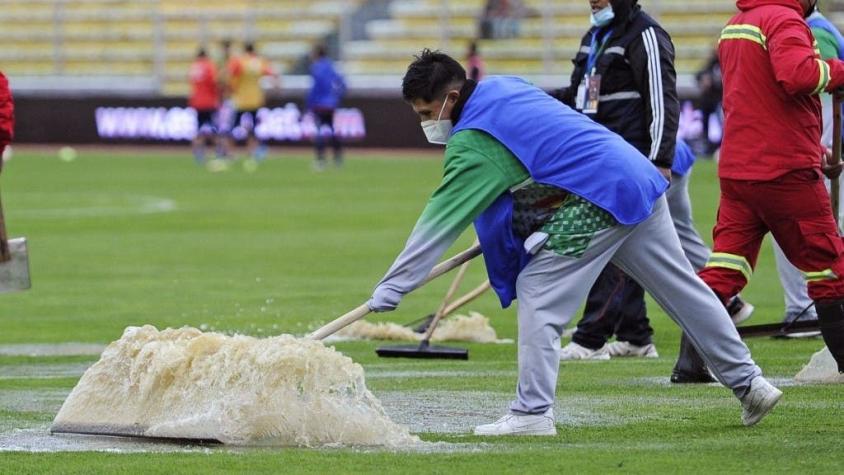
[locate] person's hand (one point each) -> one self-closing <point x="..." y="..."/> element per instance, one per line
<point x="830" y="170"/>
<point x="666" y="173"/>
<point x="384" y="300"/>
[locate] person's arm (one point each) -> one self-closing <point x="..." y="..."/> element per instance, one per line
<point x="7" y="115"/>
<point x="471" y="182"/>
<point x="651" y="58"/>
<point x="796" y="65"/>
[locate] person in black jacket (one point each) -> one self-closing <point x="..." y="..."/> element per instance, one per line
<point x="624" y="79"/>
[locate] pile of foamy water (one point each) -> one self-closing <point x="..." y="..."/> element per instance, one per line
<point x="184" y="383"/>
<point x="473" y="328"/>
<point x="822" y="368"/>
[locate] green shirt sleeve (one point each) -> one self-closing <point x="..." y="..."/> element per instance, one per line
<point x="477" y="170"/>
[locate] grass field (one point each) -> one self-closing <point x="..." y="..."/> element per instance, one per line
<point x="120" y="238"/>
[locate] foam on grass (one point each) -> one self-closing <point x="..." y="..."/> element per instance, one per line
<point x="821" y="368"/>
<point x="474" y="328"/>
<point x="183" y="383"/>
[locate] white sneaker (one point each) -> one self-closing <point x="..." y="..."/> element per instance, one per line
<point x="759" y="401"/>
<point x="625" y="348"/>
<point x="739" y="310"/>
<point x="573" y="351"/>
<point x="513" y="424"/>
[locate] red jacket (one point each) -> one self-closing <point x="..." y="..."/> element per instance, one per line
<point x="772" y="76"/>
<point x="7" y="114"/>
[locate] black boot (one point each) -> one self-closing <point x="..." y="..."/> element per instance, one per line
<point x="690" y="367"/>
<point x="831" y="321"/>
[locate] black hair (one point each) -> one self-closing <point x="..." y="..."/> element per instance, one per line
<point x="430" y="74"/>
<point x="249" y="47"/>
<point x="319" y="51"/>
<point x="201" y="53"/>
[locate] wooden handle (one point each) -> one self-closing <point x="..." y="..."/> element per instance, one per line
<point x="472" y="295"/>
<point x="458" y="279"/>
<point x="363" y="310"/>
<point x="836" y="151"/>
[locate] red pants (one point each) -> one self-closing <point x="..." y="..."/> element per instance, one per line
<point x="796" y="209"/>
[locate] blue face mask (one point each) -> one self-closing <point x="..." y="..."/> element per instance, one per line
<point x="602" y="17"/>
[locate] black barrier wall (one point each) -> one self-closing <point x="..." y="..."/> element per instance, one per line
<point x="389" y="122"/>
<point x="364" y="121"/>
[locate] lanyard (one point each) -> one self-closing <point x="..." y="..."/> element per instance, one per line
<point x="595" y="53"/>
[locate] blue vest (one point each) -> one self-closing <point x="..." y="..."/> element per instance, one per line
<point x="816" y="20"/>
<point x="684" y="158"/>
<point x="559" y="147"/>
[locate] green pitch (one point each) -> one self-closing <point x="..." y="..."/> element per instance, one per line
<point x="119" y="239"/>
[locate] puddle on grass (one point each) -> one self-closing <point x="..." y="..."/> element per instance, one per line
<point x="52" y="349"/>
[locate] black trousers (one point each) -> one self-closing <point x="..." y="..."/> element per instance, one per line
<point x="615" y="306"/>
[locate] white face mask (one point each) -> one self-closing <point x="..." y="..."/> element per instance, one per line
<point x="602" y="17"/>
<point x="437" y="131"/>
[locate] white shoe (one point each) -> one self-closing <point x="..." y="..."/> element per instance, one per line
<point x="573" y="351"/>
<point x="513" y="424"/>
<point x="625" y="348"/>
<point x="739" y="310"/>
<point x="759" y="401"/>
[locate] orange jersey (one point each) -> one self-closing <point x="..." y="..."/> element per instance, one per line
<point x="246" y="72"/>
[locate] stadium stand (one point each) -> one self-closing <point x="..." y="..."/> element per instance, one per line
<point x="153" y="39"/>
<point x="549" y="34"/>
<point x="147" y="45"/>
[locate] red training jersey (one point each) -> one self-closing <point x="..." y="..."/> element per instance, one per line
<point x="7" y="113"/>
<point x="203" y="81"/>
<point x="772" y="73"/>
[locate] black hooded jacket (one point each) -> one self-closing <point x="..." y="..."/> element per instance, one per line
<point x="638" y="96"/>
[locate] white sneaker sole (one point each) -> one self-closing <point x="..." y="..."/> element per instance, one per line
<point x="544" y="431"/>
<point x="766" y="406"/>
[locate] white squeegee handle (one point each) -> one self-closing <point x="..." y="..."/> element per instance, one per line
<point x="363" y="310"/>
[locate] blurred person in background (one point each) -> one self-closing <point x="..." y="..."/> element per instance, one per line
<point x="475" y="68"/>
<point x="709" y="82"/>
<point x="245" y="74"/>
<point x="798" y="305"/>
<point x="204" y="98"/>
<point x="502" y="18"/>
<point x="326" y="92"/>
<point x="624" y="79"/>
<point x="7" y="116"/>
<point x="225" y="113"/>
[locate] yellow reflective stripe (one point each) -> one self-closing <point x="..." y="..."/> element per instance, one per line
<point x="823" y="78"/>
<point x="816" y="47"/>
<point x="730" y="261"/>
<point x="744" y="32"/>
<point x="826" y="274"/>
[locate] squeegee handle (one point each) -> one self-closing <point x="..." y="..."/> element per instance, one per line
<point x="363" y="310"/>
<point x="5" y="254"/>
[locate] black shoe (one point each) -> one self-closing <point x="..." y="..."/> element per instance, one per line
<point x="423" y="326"/>
<point x="681" y="377"/>
<point x="690" y="367"/>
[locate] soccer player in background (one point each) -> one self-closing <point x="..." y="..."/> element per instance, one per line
<point x="245" y="74"/>
<point x="326" y="92"/>
<point x="772" y="161"/>
<point x="554" y="197"/>
<point x="204" y="99"/>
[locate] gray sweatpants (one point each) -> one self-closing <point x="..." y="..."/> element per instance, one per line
<point x="551" y="288"/>
<point x="680" y="208"/>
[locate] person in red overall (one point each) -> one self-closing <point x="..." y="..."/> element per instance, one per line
<point x="772" y="160"/>
<point x="7" y="115"/>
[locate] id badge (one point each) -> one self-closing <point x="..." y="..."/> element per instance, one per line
<point x="592" y="93"/>
<point x="580" y="100"/>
